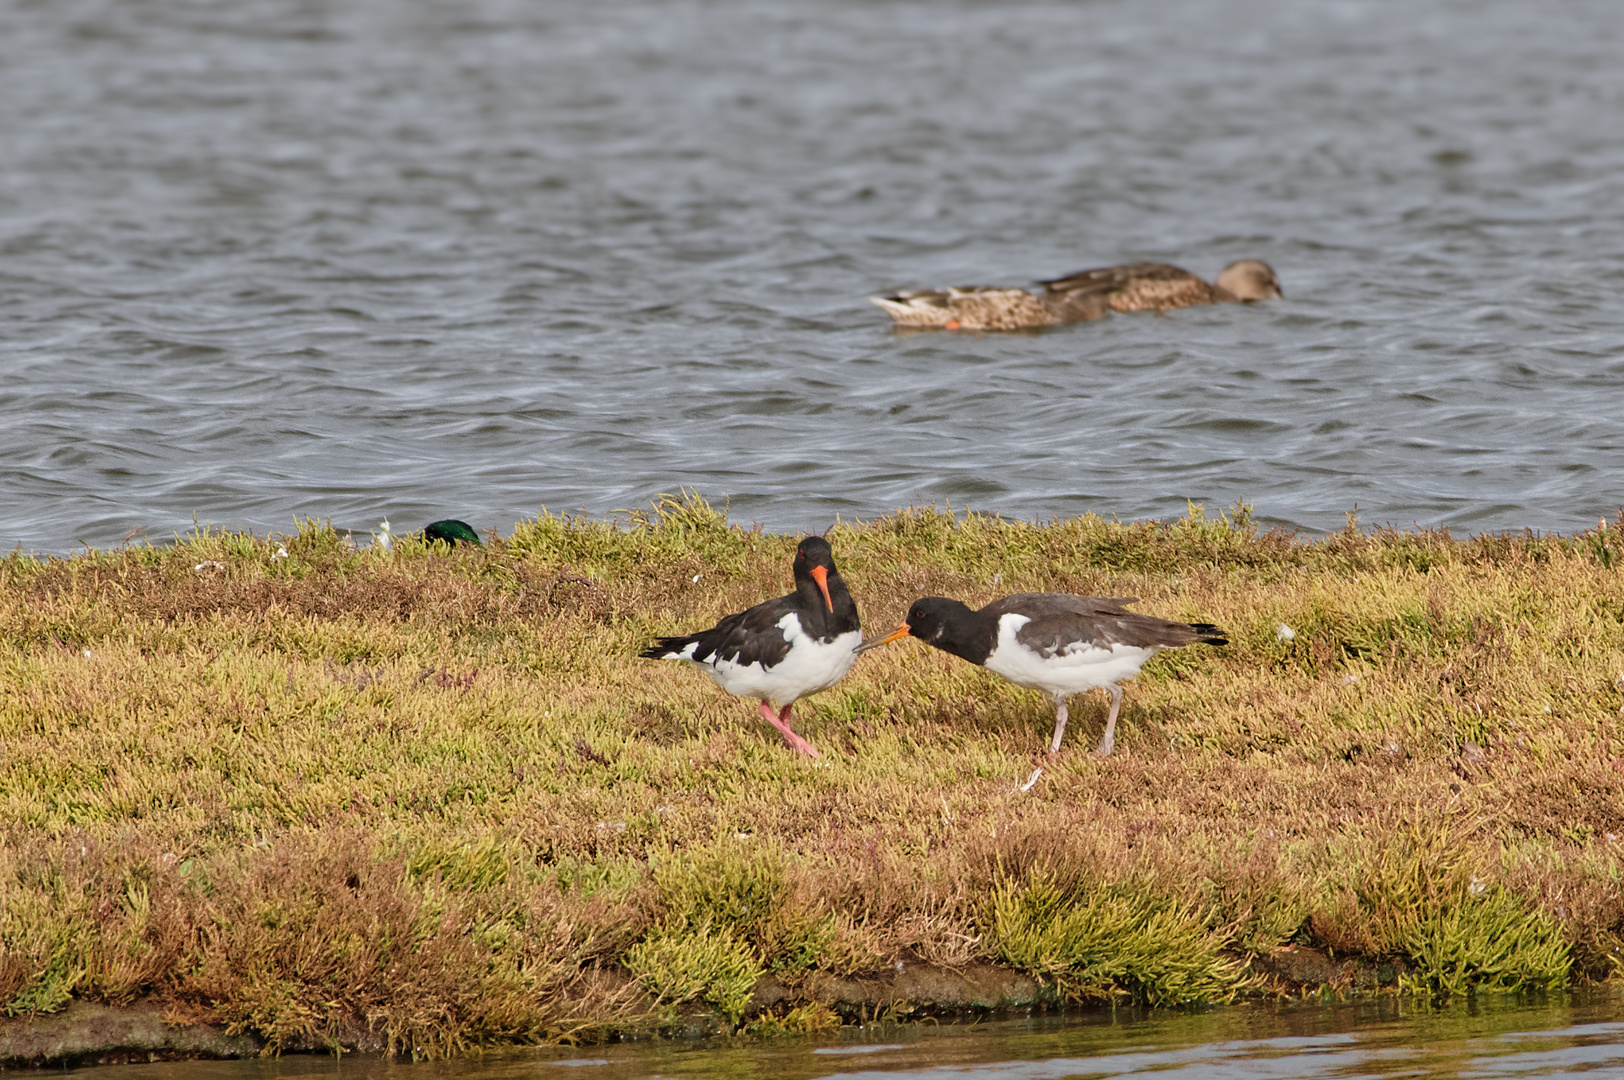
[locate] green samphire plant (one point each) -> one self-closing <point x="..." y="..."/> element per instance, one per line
<point x="1100" y="943"/>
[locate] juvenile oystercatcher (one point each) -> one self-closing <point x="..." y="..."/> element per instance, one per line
<point x="1079" y="297"/>
<point x="1054" y="642"/>
<point x="781" y="650"/>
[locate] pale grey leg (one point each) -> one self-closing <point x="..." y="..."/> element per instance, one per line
<point x="1060" y="717"/>
<point x="1109" y="739"/>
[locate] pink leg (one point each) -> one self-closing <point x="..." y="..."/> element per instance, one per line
<point x="781" y="722"/>
<point x="1109" y="739"/>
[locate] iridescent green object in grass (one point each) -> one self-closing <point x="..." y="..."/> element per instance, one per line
<point x="452" y="531"/>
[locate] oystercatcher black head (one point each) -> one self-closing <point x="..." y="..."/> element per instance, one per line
<point x="814" y="566"/>
<point x="1054" y="642"/>
<point x="949" y="625"/>
<point x="782" y="650"/>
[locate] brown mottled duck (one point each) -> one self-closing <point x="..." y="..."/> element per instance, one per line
<point x="1080" y="297"/>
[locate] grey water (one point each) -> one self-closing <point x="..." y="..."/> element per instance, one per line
<point x="270" y="259"/>
<point x="1557" y="1036"/>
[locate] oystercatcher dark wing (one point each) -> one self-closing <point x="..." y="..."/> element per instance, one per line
<point x="782" y="650"/>
<point x="1054" y="642"/>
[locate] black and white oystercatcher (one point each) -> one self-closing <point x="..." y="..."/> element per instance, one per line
<point x="782" y="650"/>
<point x="1054" y="642"/>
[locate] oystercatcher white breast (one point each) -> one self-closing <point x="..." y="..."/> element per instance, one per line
<point x="782" y="650"/>
<point x="1054" y="642"/>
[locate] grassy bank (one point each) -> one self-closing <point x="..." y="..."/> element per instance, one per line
<point x="433" y="792"/>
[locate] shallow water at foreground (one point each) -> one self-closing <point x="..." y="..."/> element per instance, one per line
<point x="1559" y="1035"/>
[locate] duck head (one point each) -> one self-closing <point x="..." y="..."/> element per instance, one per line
<point x="1250" y="279"/>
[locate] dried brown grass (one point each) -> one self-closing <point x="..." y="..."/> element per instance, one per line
<point x="428" y="794"/>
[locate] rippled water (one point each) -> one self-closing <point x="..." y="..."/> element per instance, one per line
<point x="1492" y="1037"/>
<point x="267" y="258"/>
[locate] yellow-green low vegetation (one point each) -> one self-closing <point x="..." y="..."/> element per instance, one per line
<point x="433" y="793"/>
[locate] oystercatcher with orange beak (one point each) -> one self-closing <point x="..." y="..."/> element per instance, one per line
<point x="1054" y="642"/>
<point x="782" y="650"/>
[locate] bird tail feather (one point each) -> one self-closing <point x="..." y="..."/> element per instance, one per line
<point x="670" y="648"/>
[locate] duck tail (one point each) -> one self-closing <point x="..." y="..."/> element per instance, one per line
<point x="904" y="309"/>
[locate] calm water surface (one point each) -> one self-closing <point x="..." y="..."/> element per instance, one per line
<point x="268" y="258"/>
<point x="1559" y="1036"/>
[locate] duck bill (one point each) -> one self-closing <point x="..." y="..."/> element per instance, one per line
<point x="899" y="632"/>
<point x="821" y="576"/>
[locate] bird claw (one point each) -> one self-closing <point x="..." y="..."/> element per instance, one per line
<point x="800" y="745"/>
<point x="796" y="743"/>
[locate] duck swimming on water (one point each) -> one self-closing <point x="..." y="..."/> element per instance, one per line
<point x="1080" y="297"/>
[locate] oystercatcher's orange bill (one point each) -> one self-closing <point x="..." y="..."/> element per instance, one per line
<point x="821" y="576"/>
<point x="899" y="632"/>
